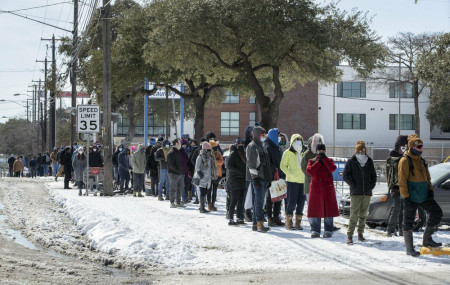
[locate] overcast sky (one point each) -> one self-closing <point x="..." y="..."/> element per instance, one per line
<point x="21" y="43"/>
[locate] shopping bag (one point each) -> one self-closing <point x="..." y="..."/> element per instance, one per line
<point x="248" y="198"/>
<point x="278" y="190"/>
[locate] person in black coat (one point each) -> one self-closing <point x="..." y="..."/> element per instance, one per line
<point x="66" y="160"/>
<point x="95" y="158"/>
<point x="152" y="167"/>
<point x="11" y="160"/>
<point x="360" y="175"/>
<point x="236" y="184"/>
<point x="273" y="209"/>
<point x="115" y="162"/>
<point x="195" y="150"/>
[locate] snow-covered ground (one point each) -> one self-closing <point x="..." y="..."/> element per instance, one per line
<point x="149" y="232"/>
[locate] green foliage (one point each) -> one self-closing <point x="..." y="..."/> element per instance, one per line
<point x="19" y="136"/>
<point x="434" y="69"/>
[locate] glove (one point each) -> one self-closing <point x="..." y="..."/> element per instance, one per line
<point x="200" y="174"/>
<point x="322" y="155"/>
<point x="395" y="192"/>
<point x="257" y="183"/>
<point x="430" y="194"/>
<point x="407" y="201"/>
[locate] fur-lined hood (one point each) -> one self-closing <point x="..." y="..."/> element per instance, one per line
<point x="315" y="140"/>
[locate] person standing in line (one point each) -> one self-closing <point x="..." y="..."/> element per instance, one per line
<point x="54" y="160"/>
<point x="11" y="161"/>
<point x="33" y="167"/>
<point x="138" y="163"/>
<point x="194" y="151"/>
<point x="175" y="173"/>
<point x="161" y="156"/>
<point x="186" y="193"/>
<point x="396" y="217"/>
<point x="205" y="172"/>
<point x="258" y="171"/>
<point x="273" y="209"/>
<point x="46" y="163"/>
<point x="322" y="201"/>
<point x="152" y="166"/>
<point x="212" y="192"/>
<point x="115" y="163"/>
<point x="67" y="162"/>
<point x="24" y="162"/>
<point x="79" y="165"/>
<point x="417" y="191"/>
<point x="295" y="179"/>
<point x="124" y="170"/>
<point x="17" y="167"/>
<point x="236" y="182"/>
<point x="360" y="175"/>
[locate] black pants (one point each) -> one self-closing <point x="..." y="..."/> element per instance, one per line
<point x="67" y="177"/>
<point x="430" y="206"/>
<point x="273" y="209"/>
<point x="203" y="191"/>
<point x="154" y="182"/>
<point x="237" y="197"/>
<point x="212" y="191"/>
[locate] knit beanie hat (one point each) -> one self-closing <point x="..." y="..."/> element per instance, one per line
<point x="360" y="147"/>
<point x="206" y="145"/>
<point x="414" y="140"/>
<point x="320" y="146"/>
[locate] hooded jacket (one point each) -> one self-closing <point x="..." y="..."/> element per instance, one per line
<point x="248" y="135"/>
<point x="18" y="166"/>
<point x="361" y="180"/>
<point x="161" y="155"/>
<point x="152" y="164"/>
<point x="139" y="161"/>
<point x="289" y="164"/>
<point x="174" y="161"/>
<point x="274" y="153"/>
<point x="258" y="162"/>
<point x="79" y="164"/>
<point x="236" y="170"/>
<point x="414" y="186"/>
<point x="124" y="162"/>
<point x="310" y="154"/>
<point x="286" y="145"/>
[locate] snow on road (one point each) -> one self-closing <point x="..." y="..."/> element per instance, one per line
<point x="149" y="232"/>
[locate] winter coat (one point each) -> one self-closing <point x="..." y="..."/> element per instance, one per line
<point x="275" y="156"/>
<point x="290" y="166"/>
<point x="95" y="159"/>
<point x="360" y="179"/>
<point x="174" y="161"/>
<point x="139" y="161"/>
<point x="258" y="162"/>
<point x="307" y="155"/>
<point x="33" y="163"/>
<point x="18" y="166"/>
<point x="124" y="161"/>
<point x="115" y="158"/>
<point x="287" y="145"/>
<point x="41" y="160"/>
<point x="54" y="157"/>
<point x="236" y="172"/>
<point x="193" y="158"/>
<point x="66" y="161"/>
<point x="161" y="157"/>
<point x="11" y="161"/>
<point x="79" y="164"/>
<point x="204" y="164"/>
<point x="248" y="135"/>
<point x="219" y="162"/>
<point x="322" y="201"/>
<point x="184" y="161"/>
<point x="152" y="164"/>
<point x="414" y="186"/>
<point x="24" y="162"/>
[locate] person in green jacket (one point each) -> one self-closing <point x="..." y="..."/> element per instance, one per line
<point x="138" y="163"/>
<point x="295" y="178"/>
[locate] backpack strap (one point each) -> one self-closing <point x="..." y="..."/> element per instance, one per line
<point x="411" y="166"/>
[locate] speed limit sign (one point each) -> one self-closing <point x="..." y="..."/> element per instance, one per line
<point x="88" y="118"/>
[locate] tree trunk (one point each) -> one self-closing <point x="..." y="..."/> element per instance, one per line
<point x="199" y="118"/>
<point x="131" y="118"/>
<point x="416" y="107"/>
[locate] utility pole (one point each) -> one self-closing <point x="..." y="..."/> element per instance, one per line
<point x="74" y="71"/>
<point x="106" y="130"/>
<point x="398" y="87"/>
<point x="52" y="116"/>
<point x="167" y="114"/>
<point x="45" y="122"/>
<point x="40" y="116"/>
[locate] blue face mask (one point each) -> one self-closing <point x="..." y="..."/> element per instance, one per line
<point x="263" y="139"/>
<point x="167" y="145"/>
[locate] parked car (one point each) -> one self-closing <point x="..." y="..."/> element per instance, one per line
<point x="381" y="202"/>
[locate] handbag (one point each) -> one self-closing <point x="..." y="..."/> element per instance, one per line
<point x="276" y="176"/>
<point x="278" y="190"/>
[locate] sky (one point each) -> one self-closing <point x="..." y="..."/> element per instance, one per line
<point x="21" y="43"/>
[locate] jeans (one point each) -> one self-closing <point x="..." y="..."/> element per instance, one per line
<point x="116" y="172"/>
<point x="295" y="197"/>
<point x="430" y="206"/>
<point x="163" y="180"/>
<point x="186" y="188"/>
<point x="258" y="193"/>
<point x="55" y="169"/>
<point x="176" y="185"/>
<point x="315" y="225"/>
<point x="138" y="180"/>
<point x="124" y="178"/>
<point x="359" y="208"/>
<point x="11" y="173"/>
<point x="45" y="169"/>
<point x="395" y="218"/>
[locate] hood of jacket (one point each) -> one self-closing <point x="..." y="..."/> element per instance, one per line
<point x="257" y="131"/>
<point x="141" y="147"/>
<point x="316" y="139"/>
<point x="294" y="138"/>
<point x="125" y="150"/>
<point x="248" y="135"/>
<point x="273" y="135"/>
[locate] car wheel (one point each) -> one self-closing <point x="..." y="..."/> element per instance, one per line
<point x="223" y="183"/>
<point x="371" y="225"/>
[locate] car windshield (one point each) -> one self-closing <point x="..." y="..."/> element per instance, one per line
<point x="438" y="171"/>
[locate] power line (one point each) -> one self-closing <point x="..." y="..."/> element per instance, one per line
<point x="43" y="6"/>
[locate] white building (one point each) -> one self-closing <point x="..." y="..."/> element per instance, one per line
<point x="362" y="110"/>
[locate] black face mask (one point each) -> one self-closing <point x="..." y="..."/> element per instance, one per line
<point x="215" y="148"/>
<point x="416" y="152"/>
<point x="240" y="147"/>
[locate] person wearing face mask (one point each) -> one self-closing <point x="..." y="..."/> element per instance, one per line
<point x="417" y="191"/>
<point x="295" y="179"/>
<point x="283" y="142"/>
<point x="212" y="191"/>
<point x="322" y="201"/>
<point x="175" y="173"/>
<point x="138" y="163"/>
<point x="95" y="158"/>
<point x="205" y="172"/>
<point x="161" y="156"/>
<point x="152" y="167"/>
<point x="79" y="164"/>
<point x="186" y="193"/>
<point x="115" y="162"/>
<point x="359" y="173"/>
<point x="396" y="217"/>
<point x="124" y="169"/>
<point x="236" y="182"/>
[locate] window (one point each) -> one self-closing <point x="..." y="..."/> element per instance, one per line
<point x="251" y="118"/>
<point x="407" y="122"/>
<point x="406" y="90"/>
<point x="252" y="100"/>
<point x="229" y="123"/>
<point x="231" y="98"/>
<point x="351" y="121"/>
<point x="351" y="89"/>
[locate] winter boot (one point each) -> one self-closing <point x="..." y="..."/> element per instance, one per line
<point x="260" y="228"/>
<point x="427" y="239"/>
<point x="254" y="227"/>
<point x="248" y="216"/>
<point x="134" y="193"/>
<point x="298" y="220"/>
<point x="139" y="194"/>
<point x="278" y="222"/>
<point x="196" y="201"/>
<point x="271" y="223"/>
<point x="189" y="196"/>
<point x="210" y="207"/>
<point x="361" y="237"/>
<point x="214" y="207"/>
<point x="289" y="222"/>
<point x="79" y="192"/>
<point x="202" y="205"/>
<point x="409" y="244"/>
<point x="349" y="240"/>
<point x="148" y="193"/>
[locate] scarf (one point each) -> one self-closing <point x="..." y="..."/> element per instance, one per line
<point x="362" y="159"/>
<point x="165" y="151"/>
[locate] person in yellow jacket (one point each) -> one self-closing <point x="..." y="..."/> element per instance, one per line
<point x="295" y="179"/>
<point x="17" y="167"/>
<point x="417" y="191"/>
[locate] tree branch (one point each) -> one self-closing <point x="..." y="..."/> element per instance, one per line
<point x="229" y="66"/>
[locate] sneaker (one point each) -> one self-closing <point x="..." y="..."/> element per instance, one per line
<point x="335" y="229"/>
<point x="241" y="222"/>
<point x="232" y="223"/>
<point x="315" y="235"/>
<point x="172" y="205"/>
<point x="181" y="205"/>
<point x="160" y="199"/>
<point x="196" y="202"/>
<point x="327" y="235"/>
<point x="349" y="241"/>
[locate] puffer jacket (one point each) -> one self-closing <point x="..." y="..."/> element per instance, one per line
<point x="361" y="180"/>
<point x="139" y="161"/>
<point x="275" y="154"/>
<point x="258" y="162"/>
<point x="290" y="166"/>
<point x="415" y="186"/>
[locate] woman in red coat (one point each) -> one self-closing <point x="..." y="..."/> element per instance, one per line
<point x="322" y="196"/>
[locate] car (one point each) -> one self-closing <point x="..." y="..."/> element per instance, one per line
<point x="381" y="203"/>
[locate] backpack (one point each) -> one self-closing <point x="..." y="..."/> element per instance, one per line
<point x="411" y="166"/>
<point x="391" y="171"/>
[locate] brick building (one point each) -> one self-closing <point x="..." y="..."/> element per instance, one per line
<point x="298" y="114"/>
